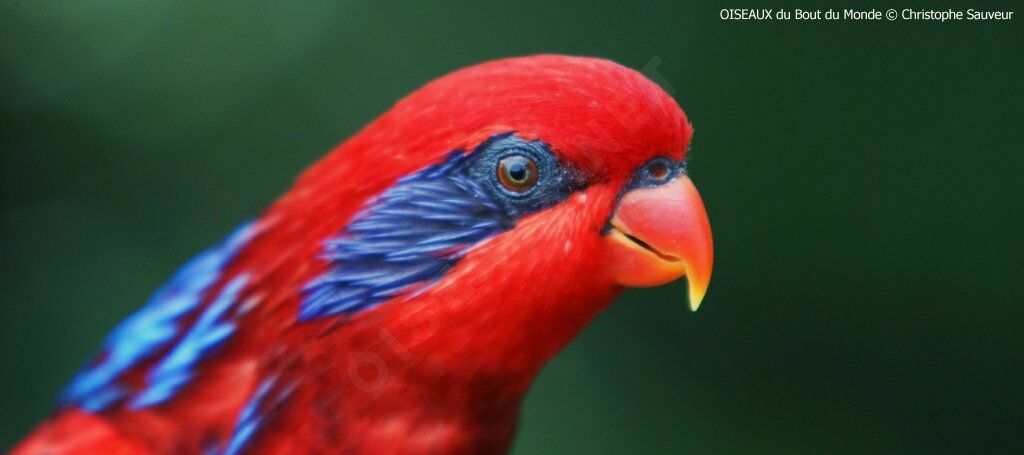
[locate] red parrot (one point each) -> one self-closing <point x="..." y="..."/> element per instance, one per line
<point x="406" y="291"/>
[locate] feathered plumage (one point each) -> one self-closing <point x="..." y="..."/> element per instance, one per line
<point x="402" y="296"/>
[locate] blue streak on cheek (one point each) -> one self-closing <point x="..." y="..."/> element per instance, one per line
<point x="152" y="328"/>
<point x="405" y="239"/>
<point x="418" y="229"/>
<point x="208" y="333"/>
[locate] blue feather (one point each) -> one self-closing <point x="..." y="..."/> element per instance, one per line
<point x="206" y="334"/>
<point x="154" y="327"/>
<point x="267" y="397"/>
<point x="411" y="234"/>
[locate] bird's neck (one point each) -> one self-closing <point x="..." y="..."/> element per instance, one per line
<point x="450" y="369"/>
<point x="431" y="385"/>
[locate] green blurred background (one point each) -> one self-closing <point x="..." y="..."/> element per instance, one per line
<point x="863" y="181"/>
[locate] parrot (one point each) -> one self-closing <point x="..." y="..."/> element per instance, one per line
<point x="402" y="296"/>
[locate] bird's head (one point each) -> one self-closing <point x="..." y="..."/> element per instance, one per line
<point x="499" y="208"/>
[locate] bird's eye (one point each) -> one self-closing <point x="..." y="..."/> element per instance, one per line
<point x="517" y="173"/>
<point x="658" y="171"/>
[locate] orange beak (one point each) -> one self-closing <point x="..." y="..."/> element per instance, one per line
<point x="660" y="234"/>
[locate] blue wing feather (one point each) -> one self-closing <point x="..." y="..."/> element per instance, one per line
<point x="151" y="329"/>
